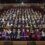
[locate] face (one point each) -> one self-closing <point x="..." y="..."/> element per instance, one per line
<point x="14" y="30"/>
<point x="4" y="30"/>
<point x="37" y="30"/>
<point x="23" y="30"/>
<point x="27" y="30"/>
<point x="18" y="29"/>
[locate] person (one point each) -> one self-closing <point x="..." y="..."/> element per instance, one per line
<point x="18" y="34"/>
<point x="0" y="35"/>
<point x="1" y="23"/>
<point x="27" y="34"/>
<point x="43" y="35"/>
<point x="37" y="35"/>
<point x="23" y="34"/>
<point x="32" y="34"/>
<point x="4" y="34"/>
<point x="14" y="34"/>
<point x="9" y="34"/>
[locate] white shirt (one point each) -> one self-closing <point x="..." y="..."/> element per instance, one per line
<point x="9" y="32"/>
<point x="43" y="33"/>
<point x="3" y="19"/>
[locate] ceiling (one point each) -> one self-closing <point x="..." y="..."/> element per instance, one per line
<point x="19" y="1"/>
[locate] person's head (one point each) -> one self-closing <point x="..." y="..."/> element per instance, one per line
<point x="4" y="30"/>
<point x="14" y="30"/>
<point x="23" y="30"/>
<point x="27" y="30"/>
<point x="37" y="30"/>
<point x="18" y="29"/>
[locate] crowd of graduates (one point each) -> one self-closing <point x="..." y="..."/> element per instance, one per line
<point x="22" y="24"/>
<point x="22" y="34"/>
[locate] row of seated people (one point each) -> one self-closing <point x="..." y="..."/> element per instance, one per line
<point x="20" y="16"/>
<point x="18" y="34"/>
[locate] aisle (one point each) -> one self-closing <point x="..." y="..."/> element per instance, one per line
<point x="22" y="43"/>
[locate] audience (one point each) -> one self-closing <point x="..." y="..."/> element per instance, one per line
<point x="22" y="24"/>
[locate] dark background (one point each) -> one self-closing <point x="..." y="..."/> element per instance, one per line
<point x="19" y="1"/>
